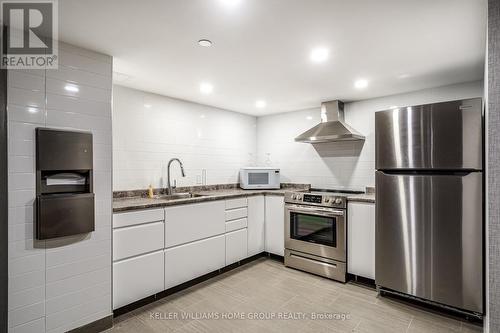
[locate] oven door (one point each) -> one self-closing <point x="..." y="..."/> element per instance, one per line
<point x="316" y="230"/>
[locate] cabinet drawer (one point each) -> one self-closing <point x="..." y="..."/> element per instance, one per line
<point x="237" y="213"/>
<point x="188" y="223"/>
<point x="138" y="239"/>
<point x="136" y="278"/>
<point x="236" y="224"/>
<point x="137" y="217"/>
<point x="236" y="203"/>
<point x="236" y="246"/>
<point x="188" y="261"/>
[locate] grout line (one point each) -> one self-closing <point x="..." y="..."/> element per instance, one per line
<point x="409" y="324"/>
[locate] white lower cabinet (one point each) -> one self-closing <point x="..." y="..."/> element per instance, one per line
<point x="188" y="223"/>
<point x="275" y="225"/>
<point x="137" y="277"/>
<point x="256" y="225"/>
<point x="361" y="239"/>
<point x="188" y="261"/>
<point x="138" y="239"/>
<point x="236" y="246"/>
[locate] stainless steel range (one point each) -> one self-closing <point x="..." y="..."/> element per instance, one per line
<point x="315" y="233"/>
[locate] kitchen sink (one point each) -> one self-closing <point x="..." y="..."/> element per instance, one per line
<point x="177" y="196"/>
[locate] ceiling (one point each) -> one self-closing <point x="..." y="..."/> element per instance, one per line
<point x="261" y="48"/>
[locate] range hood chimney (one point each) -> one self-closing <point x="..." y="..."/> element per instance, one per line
<point x="332" y="127"/>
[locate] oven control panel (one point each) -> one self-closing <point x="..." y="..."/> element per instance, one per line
<point x="316" y="199"/>
<point x="312" y="198"/>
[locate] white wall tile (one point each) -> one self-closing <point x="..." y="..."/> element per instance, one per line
<point x="66" y="262"/>
<point x="341" y="164"/>
<point x="203" y="137"/>
<point x="24" y="97"/>
<point x="27" y="297"/>
<point x="26" y="313"/>
<point x="35" y="326"/>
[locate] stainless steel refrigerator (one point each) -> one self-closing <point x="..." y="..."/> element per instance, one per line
<point x="429" y="203"/>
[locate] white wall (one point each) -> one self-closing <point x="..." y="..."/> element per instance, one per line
<point x="346" y="164"/>
<point x="57" y="285"/>
<point x="203" y="137"/>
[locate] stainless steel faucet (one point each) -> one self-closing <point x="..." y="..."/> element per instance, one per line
<point x="169" y="187"/>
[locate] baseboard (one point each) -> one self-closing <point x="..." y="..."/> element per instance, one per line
<point x="96" y="326"/>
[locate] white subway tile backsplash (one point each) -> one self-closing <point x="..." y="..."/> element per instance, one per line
<point x="203" y="137"/>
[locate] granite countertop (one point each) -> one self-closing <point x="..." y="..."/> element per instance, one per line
<point x="363" y="197"/>
<point x="127" y="201"/>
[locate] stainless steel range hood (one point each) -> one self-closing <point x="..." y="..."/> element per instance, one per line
<point x="332" y="127"/>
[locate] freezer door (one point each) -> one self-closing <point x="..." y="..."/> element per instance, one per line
<point x="429" y="237"/>
<point x="444" y="136"/>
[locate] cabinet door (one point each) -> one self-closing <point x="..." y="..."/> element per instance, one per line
<point x="138" y="239"/>
<point x="236" y="246"/>
<point x="188" y="261"/>
<point x="188" y="223"/>
<point x="256" y="223"/>
<point x="136" y="278"/>
<point x="361" y="239"/>
<point x="275" y="225"/>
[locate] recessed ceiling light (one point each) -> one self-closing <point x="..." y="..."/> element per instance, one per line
<point x="206" y="88"/>
<point x="32" y="110"/>
<point x="205" y="42"/>
<point x="361" y="83"/>
<point x="392" y="107"/>
<point x="71" y="88"/>
<point x="147" y="105"/>
<point x="309" y="117"/>
<point x="319" y="54"/>
<point x="260" y="104"/>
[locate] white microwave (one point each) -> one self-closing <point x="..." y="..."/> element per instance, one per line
<point x="259" y="178"/>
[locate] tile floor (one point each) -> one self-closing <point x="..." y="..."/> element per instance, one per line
<point x="266" y="288"/>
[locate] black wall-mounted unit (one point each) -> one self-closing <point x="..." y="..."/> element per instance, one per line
<point x="64" y="183"/>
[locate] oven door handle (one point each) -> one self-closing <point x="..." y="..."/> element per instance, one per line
<point x="328" y="212"/>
